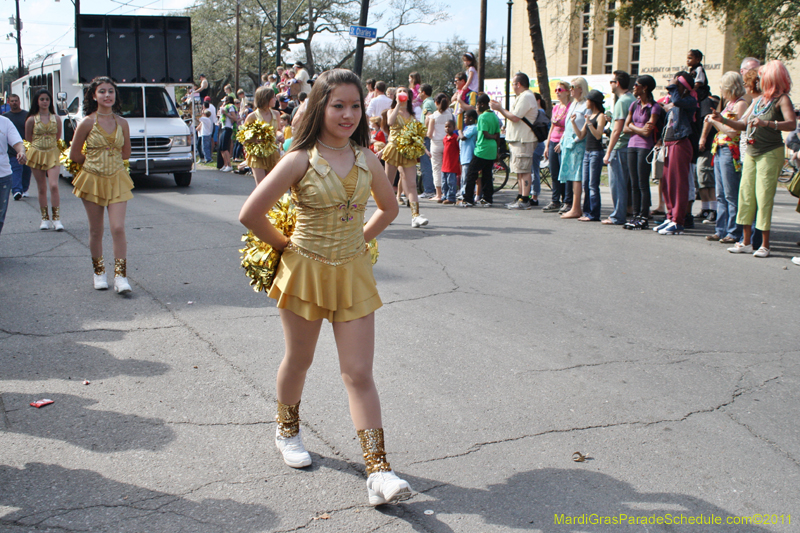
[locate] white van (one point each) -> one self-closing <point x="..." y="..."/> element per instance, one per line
<point x="160" y="140"/>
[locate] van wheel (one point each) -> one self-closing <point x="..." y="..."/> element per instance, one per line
<point x="183" y="179"/>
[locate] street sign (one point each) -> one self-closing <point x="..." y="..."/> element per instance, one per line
<point x="363" y="32"/>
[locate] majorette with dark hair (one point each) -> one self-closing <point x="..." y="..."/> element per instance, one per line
<point x="42" y="131"/>
<point x="103" y="181"/>
<point x="325" y="271"/>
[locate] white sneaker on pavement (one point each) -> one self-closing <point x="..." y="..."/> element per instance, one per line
<point x="761" y="252"/>
<point x="796" y="260"/>
<point x="292" y="449"/>
<point x="740" y="248"/>
<point x="121" y="285"/>
<point x="419" y="221"/>
<point x="100" y="282"/>
<point x="58" y="225"/>
<point x="45" y="225"/>
<point x="386" y="487"/>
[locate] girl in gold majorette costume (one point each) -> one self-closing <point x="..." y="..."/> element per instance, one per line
<point x="325" y="270"/>
<point x="264" y="100"/>
<point x="103" y="182"/>
<point x="42" y="131"/>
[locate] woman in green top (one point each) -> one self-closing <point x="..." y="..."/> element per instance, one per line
<point x="763" y="122"/>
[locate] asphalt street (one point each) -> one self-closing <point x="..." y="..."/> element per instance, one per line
<point x="507" y="341"/>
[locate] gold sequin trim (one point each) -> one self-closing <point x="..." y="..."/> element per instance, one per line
<point x="45" y="215"/>
<point x="99" y="265"/>
<point x="316" y="257"/>
<point x="120" y="268"/>
<point x="56" y="213"/>
<point x="288" y="419"/>
<point x="353" y="207"/>
<point x="374" y="452"/>
<point x="414" y="209"/>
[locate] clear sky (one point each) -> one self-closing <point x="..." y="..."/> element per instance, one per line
<point x="48" y="24"/>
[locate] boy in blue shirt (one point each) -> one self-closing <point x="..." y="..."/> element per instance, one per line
<point x="466" y="143"/>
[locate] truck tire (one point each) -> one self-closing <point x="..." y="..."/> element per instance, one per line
<point x="183" y="179"/>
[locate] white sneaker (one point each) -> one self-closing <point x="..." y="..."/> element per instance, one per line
<point x="25" y="194"/>
<point x="419" y="221"/>
<point x="796" y="260"/>
<point x="386" y="487"/>
<point x="58" y="225"/>
<point x="121" y="285"/>
<point x="292" y="449"/>
<point x="227" y="169"/>
<point x="45" y="225"/>
<point x="761" y="252"/>
<point x="100" y="282"/>
<point x="740" y="248"/>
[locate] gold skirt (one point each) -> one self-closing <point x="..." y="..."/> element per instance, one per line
<point x="43" y="159"/>
<point x="266" y="163"/>
<point x="392" y="156"/>
<point x="103" y="190"/>
<point x="315" y="290"/>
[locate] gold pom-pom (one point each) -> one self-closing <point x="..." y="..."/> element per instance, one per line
<point x="260" y="260"/>
<point x="373" y="250"/>
<point x="71" y="166"/>
<point x="411" y="141"/>
<point x="258" y="138"/>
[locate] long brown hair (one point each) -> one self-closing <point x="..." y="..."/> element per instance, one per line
<point x="314" y="117"/>
<point x="90" y="104"/>
<point x="409" y="105"/>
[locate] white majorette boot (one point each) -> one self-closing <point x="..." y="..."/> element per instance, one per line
<point x="99" y="266"/>
<point x="383" y="485"/>
<point x="288" y="436"/>
<point x="121" y="284"/>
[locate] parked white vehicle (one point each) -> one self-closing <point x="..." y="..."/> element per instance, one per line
<point x="160" y="140"/>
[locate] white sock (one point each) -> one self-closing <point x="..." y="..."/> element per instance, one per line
<point x="705" y="206"/>
<point x="712" y="205"/>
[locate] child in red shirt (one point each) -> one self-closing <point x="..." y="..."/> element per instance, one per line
<point x="451" y="164"/>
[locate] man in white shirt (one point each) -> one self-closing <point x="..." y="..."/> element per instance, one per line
<point x="9" y="138"/>
<point x="379" y="102"/>
<point x="301" y="75"/>
<point x="520" y="137"/>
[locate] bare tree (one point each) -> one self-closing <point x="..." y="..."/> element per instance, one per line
<point x="539" y="58"/>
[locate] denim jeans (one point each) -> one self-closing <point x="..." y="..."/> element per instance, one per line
<point x="207" y="148"/>
<point x="449" y="186"/>
<point x="727" y="187"/>
<point x="554" y="162"/>
<point x="5" y="192"/>
<point x="592" y="167"/>
<point x="464" y="170"/>
<point x="536" y="178"/>
<point x="21" y="176"/>
<point x="618" y="177"/>
<point x="427" y="170"/>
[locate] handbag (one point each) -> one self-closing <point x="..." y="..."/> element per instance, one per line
<point x="539" y="129"/>
<point x="794" y="184"/>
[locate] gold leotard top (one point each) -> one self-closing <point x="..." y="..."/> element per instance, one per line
<point x="391" y="154"/>
<point x="103" y="179"/>
<point x="326" y="272"/>
<point x="43" y="153"/>
<point x="266" y="163"/>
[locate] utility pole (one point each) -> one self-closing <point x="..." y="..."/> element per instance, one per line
<point x="278" y="37"/>
<point x="77" y="4"/>
<point x="20" y="62"/>
<point x="362" y="21"/>
<point x="482" y="46"/>
<point x="508" y="59"/>
<point x="236" y="68"/>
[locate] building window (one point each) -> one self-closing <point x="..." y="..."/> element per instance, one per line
<point x="608" y="63"/>
<point x="587" y="24"/>
<point x="636" y="40"/>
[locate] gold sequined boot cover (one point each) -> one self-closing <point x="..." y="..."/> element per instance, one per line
<point x="45" y="215"/>
<point x="120" y="268"/>
<point x="288" y="420"/>
<point x="414" y="209"/>
<point x="99" y="265"/>
<point x="56" y="213"/>
<point x="372" y="446"/>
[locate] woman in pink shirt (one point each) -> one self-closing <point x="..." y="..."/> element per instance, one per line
<point x="561" y="195"/>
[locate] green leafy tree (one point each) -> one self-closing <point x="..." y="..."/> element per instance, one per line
<point x="764" y="28"/>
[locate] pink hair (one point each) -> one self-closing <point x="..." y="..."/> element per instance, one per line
<point x="775" y="80"/>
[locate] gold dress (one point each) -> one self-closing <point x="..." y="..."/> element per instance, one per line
<point x="103" y="179"/>
<point x="43" y="152"/>
<point x="391" y="154"/>
<point x="326" y="271"/>
<point x="267" y="163"/>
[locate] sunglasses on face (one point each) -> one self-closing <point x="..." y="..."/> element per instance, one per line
<point x="561" y="90"/>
